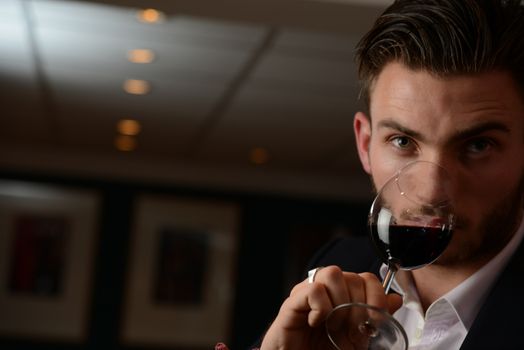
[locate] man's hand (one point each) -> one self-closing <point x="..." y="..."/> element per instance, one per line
<point x="300" y="322"/>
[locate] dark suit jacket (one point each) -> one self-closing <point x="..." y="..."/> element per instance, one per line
<point x="500" y="321"/>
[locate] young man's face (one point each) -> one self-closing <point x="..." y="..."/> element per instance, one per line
<point x="471" y="125"/>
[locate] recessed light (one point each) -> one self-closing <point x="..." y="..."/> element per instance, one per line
<point x="125" y="143"/>
<point x="150" y="16"/>
<point x="259" y="156"/>
<point x="129" y="127"/>
<point x="141" y="56"/>
<point x="137" y="87"/>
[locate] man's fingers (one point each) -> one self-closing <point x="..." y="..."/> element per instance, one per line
<point x="320" y="304"/>
<point x="356" y="287"/>
<point x="394" y="302"/>
<point x="374" y="291"/>
<point x="310" y="301"/>
<point x="375" y="294"/>
<point x="333" y="279"/>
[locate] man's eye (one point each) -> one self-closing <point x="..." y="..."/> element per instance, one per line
<point x="401" y="141"/>
<point x="478" y="146"/>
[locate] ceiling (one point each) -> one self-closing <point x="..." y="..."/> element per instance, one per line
<point x="228" y="77"/>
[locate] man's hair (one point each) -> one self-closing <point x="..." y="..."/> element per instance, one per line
<point x="445" y="37"/>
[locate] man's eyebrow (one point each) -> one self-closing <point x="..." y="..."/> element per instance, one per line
<point x="460" y="135"/>
<point x="391" y="124"/>
<point x="479" y="129"/>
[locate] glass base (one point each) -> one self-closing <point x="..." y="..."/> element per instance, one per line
<point x="358" y="326"/>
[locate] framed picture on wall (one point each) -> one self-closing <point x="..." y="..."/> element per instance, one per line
<point x="47" y="236"/>
<point x="180" y="285"/>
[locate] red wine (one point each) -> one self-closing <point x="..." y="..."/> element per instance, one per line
<point x="410" y="247"/>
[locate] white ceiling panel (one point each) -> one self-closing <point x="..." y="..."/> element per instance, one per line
<point x="89" y="51"/>
<point x="14" y="38"/>
<point x="11" y="8"/>
<point x="181" y="99"/>
<point x="119" y="21"/>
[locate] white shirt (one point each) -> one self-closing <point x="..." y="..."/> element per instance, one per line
<point x="449" y="318"/>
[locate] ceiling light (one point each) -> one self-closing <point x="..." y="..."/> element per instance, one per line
<point x="258" y="156"/>
<point x="136" y="87"/>
<point x="125" y="143"/>
<point x="150" y="16"/>
<point x="129" y="127"/>
<point x="140" y="56"/>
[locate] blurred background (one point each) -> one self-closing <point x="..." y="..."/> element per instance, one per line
<point x="167" y="167"/>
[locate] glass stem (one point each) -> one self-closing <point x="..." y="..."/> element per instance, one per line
<point x="392" y="270"/>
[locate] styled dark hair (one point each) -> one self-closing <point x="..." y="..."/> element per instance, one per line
<point x="445" y="37"/>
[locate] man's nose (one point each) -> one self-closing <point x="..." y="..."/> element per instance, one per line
<point x="432" y="190"/>
<point x="428" y="184"/>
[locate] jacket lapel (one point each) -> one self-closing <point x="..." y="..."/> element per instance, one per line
<point x="500" y="322"/>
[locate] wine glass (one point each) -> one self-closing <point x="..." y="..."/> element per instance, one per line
<point x="410" y="223"/>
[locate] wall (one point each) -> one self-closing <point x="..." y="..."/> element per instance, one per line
<point x="277" y="234"/>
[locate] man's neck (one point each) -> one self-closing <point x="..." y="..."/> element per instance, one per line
<point x="434" y="281"/>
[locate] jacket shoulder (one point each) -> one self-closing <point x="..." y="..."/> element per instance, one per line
<point x="350" y="253"/>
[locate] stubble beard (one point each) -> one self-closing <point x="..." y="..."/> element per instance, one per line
<point x="493" y="232"/>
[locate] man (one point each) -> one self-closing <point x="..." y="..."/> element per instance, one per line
<point x="444" y="82"/>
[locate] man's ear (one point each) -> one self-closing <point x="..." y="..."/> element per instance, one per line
<point x="362" y="129"/>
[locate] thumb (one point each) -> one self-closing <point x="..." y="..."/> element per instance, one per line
<point x="394" y="301"/>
